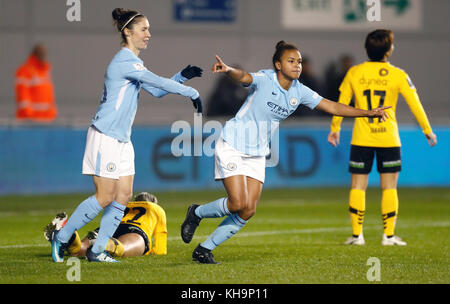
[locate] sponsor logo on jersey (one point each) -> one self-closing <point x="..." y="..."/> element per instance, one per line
<point x="383" y="72"/>
<point x="373" y="81"/>
<point x="279" y="110"/>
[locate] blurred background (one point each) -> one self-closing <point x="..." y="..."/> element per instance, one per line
<point x="80" y="41"/>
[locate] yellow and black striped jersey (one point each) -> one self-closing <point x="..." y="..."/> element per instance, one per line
<point x="151" y="218"/>
<point x="376" y="84"/>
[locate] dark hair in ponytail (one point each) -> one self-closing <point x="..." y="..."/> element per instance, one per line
<point x="124" y="18"/>
<point x="279" y="50"/>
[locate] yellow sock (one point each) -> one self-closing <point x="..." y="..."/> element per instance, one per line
<point x="115" y="247"/>
<point x="74" y="244"/>
<point x="389" y="210"/>
<point x="357" y="208"/>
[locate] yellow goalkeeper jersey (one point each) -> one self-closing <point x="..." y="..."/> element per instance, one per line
<point x="376" y="84"/>
<point x="151" y="218"/>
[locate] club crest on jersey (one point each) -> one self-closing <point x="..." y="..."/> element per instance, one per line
<point x="111" y="167"/>
<point x="231" y="166"/>
<point x="293" y="102"/>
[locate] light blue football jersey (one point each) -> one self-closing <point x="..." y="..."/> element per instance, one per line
<point x="124" y="77"/>
<point x="267" y="105"/>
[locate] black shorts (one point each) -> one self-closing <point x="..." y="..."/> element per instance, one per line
<point x="361" y="159"/>
<point x="127" y="228"/>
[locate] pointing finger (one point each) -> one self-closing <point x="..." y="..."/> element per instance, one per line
<point x="219" y="59"/>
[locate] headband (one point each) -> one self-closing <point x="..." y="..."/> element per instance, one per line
<point x="129" y="20"/>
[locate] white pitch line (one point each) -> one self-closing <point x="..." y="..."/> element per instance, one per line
<point x="24" y="246"/>
<point x="275" y="232"/>
<point x="262" y="233"/>
<point x="258" y="233"/>
<point x="316" y="230"/>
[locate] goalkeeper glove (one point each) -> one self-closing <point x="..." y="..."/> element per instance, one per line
<point x="191" y="72"/>
<point x="198" y="104"/>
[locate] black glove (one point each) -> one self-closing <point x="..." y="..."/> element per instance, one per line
<point x="197" y="104"/>
<point x="191" y="72"/>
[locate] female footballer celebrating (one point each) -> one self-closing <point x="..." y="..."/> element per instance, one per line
<point x="240" y="152"/>
<point x="109" y="153"/>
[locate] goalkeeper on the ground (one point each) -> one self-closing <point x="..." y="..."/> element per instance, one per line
<point x="142" y="231"/>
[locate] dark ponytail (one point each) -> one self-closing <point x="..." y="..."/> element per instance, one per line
<point x="124" y="18"/>
<point x="279" y="50"/>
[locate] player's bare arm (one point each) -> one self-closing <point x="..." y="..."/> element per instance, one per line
<point x="339" y="109"/>
<point x="237" y="74"/>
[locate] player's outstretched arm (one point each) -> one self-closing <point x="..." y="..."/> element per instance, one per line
<point x="340" y="109"/>
<point x="237" y="74"/>
<point x="189" y="72"/>
<point x="171" y="86"/>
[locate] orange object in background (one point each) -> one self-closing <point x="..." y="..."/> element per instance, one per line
<point x="34" y="89"/>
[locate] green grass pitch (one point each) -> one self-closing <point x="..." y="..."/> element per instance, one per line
<point x="296" y="236"/>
